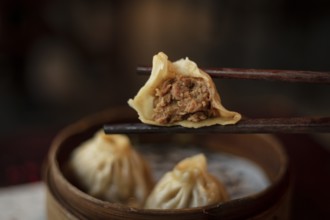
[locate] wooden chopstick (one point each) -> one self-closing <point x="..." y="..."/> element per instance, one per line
<point x="261" y="74"/>
<point x="261" y="125"/>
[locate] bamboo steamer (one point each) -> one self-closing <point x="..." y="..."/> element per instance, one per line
<point x="66" y="201"/>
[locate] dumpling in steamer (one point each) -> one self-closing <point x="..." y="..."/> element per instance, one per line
<point x="180" y="93"/>
<point x="188" y="185"/>
<point x="107" y="167"/>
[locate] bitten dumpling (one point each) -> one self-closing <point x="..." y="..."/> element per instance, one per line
<point x="180" y="93"/>
<point x="188" y="185"/>
<point x="107" y="167"/>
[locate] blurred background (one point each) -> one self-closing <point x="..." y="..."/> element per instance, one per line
<point x="61" y="60"/>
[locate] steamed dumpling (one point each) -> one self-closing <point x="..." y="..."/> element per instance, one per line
<point x="188" y="185"/>
<point x="180" y="93"/>
<point x="107" y="167"/>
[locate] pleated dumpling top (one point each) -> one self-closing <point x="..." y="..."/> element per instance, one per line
<point x="188" y="185"/>
<point x="107" y="167"/>
<point x="179" y="93"/>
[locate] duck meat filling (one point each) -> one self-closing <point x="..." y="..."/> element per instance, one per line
<point x="182" y="98"/>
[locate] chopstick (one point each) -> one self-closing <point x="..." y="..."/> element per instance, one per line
<point x="260" y="74"/>
<point x="261" y="125"/>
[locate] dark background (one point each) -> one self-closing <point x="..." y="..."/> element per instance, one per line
<point x="62" y="60"/>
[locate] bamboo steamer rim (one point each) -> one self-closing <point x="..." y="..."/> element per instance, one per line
<point x="237" y="208"/>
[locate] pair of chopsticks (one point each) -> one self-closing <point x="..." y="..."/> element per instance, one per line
<point x="259" y="125"/>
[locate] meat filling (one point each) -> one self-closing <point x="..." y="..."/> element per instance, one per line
<point x="182" y="98"/>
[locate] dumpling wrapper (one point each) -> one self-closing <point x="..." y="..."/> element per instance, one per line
<point x="107" y="167"/>
<point x="188" y="185"/>
<point x="164" y="69"/>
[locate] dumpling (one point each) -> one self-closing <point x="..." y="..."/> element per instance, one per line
<point x="107" y="167"/>
<point x="180" y="93"/>
<point x="188" y="185"/>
